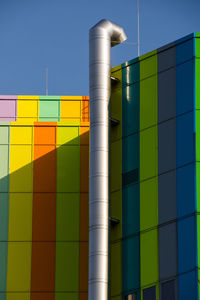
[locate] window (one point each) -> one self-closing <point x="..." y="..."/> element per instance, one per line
<point x="131" y="297"/>
<point x="150" y="293"/>
<point x="168" y="290"/>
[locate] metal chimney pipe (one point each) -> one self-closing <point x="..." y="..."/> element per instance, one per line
<point x="102" y="36"/>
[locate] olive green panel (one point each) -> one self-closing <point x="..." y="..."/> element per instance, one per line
<point x="116" y="106"/>
<point x="68" y="169"/>
<point x="149" y="153"/>
<point x="116" y="268"/>
<point x="197" y="83"/>
<point x="149" y="257"/>
<point x="116" y="212"/>
<point x="67" y="217"/>
<point x="67" y="267"/>
<point x="148" y="64"/>
<point x="148" y="102"/>
<point x="149" y="203"/>
<point x="116" y="166"/>
<point x="66" y="296"/>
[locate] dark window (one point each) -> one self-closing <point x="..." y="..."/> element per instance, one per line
<point x="168" y="290"/>
<point x="131" y="297"/>
<point x="150" y="293"/>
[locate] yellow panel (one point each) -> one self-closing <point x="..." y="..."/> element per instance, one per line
<point x="27" y="109"/>
<point x="21" y="168"/>
<point x="71" y="98"/>
<point x="71" y="110"/>
<point x="67" y="135"/>
<point x="21" y="135"/>
<point x="18" y="296"/>
<point x="28" y="97"/>
<point x="20" y="217"/>
<point x="19" y="266"/>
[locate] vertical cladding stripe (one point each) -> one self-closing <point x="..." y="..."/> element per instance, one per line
<point x="44" y="210"/>
<point x="4" y="203"/>
<point x="148" y="170"/>
<point x="84" y="202"/>
<point x="131" y="190"/>
<point x="116" y="186"/>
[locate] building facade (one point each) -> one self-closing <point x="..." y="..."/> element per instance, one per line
<point x="154" y="190"/>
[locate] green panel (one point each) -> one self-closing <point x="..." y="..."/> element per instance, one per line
<point x="4" y="135"/>
<point x="197" y="47"/>
<point x="49" y="108"/>
<point x="67" y="267"/>
<point x="116" y="106"/>
<point x="4" y="168"/>
<point x="116" y="165"/>
<point x="4" y="211"/>
<point x="198" y="135"/>
<point x="198" y="185"/>
<point x="198" y="244"/>
<point x="66" y="296"/>
<point x="67" y="217"/>
<point x="149" y="257"/>
<point x="68" y="169"/>
<point x="116" y="212"/>
<point x="197" y="83"/>
<point x="148" y="153"/>
<point x="116" y="269"/>
<point x="149" y="203"/>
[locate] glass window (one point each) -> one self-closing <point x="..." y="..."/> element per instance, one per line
<point x="150" y="293"/>
<point x="131" y="297"/>
<point x="168" y="290"/>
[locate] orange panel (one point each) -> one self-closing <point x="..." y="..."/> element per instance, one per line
<point x="83" y="296"/>
<point x="42" y="296"/>
<point x="83" y="267"/>
<point x="43" y="267"/>
<point x="84" y="217"/>
<point x="84" y="135"/>
<point x="84" y="110"/>
<point x="84" y="169"/>
<point x="44" y="217"/>
<point x="45" y="133"/>
<point x="45" y="169"/>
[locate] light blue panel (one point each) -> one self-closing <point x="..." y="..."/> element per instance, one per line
<point x="130" y="148"/>
<point x="131" y="209"/>
<point x="131" y="263"/>
<point x="3" y="265"/>
<point x="187" y="286"/>
<point x="185" y="50"/>
<point x="184" y="139"/>
<point x="186" y="244"/>
<point x="185" y="190"/>
<point x="184" y="87"/>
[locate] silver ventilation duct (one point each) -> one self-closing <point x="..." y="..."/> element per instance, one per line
<point x="102" y="36"/>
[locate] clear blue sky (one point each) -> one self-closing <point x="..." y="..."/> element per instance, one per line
<point x="35" y="34"/>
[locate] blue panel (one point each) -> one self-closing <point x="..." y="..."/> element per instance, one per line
<point x="131" y="263"/>
<point x="3" y="265"/>
<point x="186" y="244"/>
<point x="187" y="286"/>
<point x="185" y="190"/>
<point x="149" y="293"/>
<point x="131" y="98"/>
<point x="184" y="51"/>
<point x="184" y="87"/>
<point x="131" y="209"/>
<point x="130" y="148"/>
<point x="184" y="139"/>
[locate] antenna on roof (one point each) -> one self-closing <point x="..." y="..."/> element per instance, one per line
<point x="138" y="23"/>
<point x="47" y="81"/>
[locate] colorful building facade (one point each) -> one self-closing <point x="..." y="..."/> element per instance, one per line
<point x="154" y="190"/>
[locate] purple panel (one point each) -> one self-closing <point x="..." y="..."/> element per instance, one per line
<point x="8" y="108"/>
